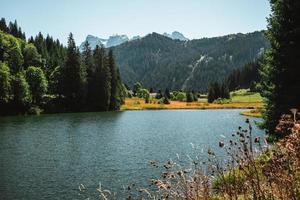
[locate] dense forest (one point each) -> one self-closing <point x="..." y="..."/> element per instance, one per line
<point x="246" y="77"/>
<point x="42" y="75"/>
<point x="159" y="62"/>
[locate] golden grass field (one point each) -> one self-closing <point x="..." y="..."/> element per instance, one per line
<point x="241" y="99"/>
<point x="139" y="104"/>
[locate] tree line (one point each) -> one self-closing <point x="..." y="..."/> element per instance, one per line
<point x="244" y="78"/>
<point x="42" y="74"/>
<point x="12" y="28"/>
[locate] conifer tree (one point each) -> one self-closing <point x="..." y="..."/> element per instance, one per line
<point x="167" y="93"/>
<point x="280" y="73"/>
<point x="101" y="81"/>
<point x="3" y="26"/>
<point x="73" y="77"/>
<point x="189" y="96"/>
<point x="116" y="87"/>
<point x="87" y="58"/>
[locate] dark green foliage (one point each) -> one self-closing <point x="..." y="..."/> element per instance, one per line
<point x="21" y="93"/>
<point x="27" y="68"/>
<point x="12" y="29"/>
<point x="159" y="95"/>
<point x="179" y="96"/>
<point x="116" y="84"/>
<point x="15" y="59"/>
<point x="167" y="93"/>
<point x="37" y="82"/>
<point x="144" y="93"/>
<point x="160" y="62"/>
<point x="244" y="78"/>
<point x="5" y="84"/>
<point x="216" y="91"/>
<point x="189" y="96"/>
<point x="280" y="72"/>
<point x="73" y="77"/>
<point x="101" y="81"/>
<point x="137" y="86"/>
<point x="87" y="56"/>
<point x="88" y="61"/>
<point x="31" y="56"/>
<point x="54" y="81"/>
<point x="53" y="53"/>
<point x="195" y="94"/>
<point x="224" y="92"/>
<point x="165" y="100"/>
<point x="3" y="26"/>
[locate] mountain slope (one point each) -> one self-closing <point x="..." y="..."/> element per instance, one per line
<point x="160" y="62"/>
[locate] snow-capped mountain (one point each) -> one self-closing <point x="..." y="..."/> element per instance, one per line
<point x="176" y="36"/>
<point x="110" y="42"/>
<point x="116" y="40"/>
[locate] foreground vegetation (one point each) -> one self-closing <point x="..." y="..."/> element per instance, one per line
<point x="251" y="169"/>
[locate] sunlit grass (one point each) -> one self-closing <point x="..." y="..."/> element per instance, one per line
<point x="139" y="104"/>
<point x="244" y="95"/>
<point x="253" y="113"/>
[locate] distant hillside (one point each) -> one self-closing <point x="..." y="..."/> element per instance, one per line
<point x="160" y="62"/>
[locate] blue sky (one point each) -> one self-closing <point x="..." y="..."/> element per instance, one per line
<point x="194" y="18"/>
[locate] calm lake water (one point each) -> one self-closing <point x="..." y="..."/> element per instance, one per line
<point x="49" y="156"/>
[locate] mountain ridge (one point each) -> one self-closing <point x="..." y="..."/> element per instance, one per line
<point x="117" y="39"/>
<point x="160" y="62"/>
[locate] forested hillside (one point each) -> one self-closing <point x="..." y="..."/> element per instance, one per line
<point x="160" y="62"/>
<point x="43" y="75"/>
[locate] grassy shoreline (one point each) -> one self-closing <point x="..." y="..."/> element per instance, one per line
<point x="253" y="113"/>
<point x="139" y="104"/>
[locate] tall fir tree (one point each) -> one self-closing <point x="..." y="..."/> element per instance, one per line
<point x="87" y="58"/>
<point x="116" y="85"/>
<point x="101" y="81"/>
<point x="73" y="77"/>
<point x="280" y="73"/>
<point x="3" y="26"/>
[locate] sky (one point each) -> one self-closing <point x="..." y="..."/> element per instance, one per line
<point x="102" y="18"/>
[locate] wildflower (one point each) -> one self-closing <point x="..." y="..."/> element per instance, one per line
<point x="221" y="144"/>
<point x="247" y="121"/>
<point x="210" y="152"/>
<point x="256" y="140"/>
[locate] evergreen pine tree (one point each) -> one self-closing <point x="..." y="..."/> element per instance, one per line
<point x="189" y="96"/>
<point x="3" y="26"/>
<point x="116" y="84"/>
<point x="167" y="93"/>
<point x="87" y="56"/>
<point x="101" y="81"/>
<point x="280" y="73"/>
<point x="73" y="77"/>
<point x="211" y="94"/>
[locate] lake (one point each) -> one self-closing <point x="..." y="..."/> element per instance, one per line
<point x="49" y="156"/>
